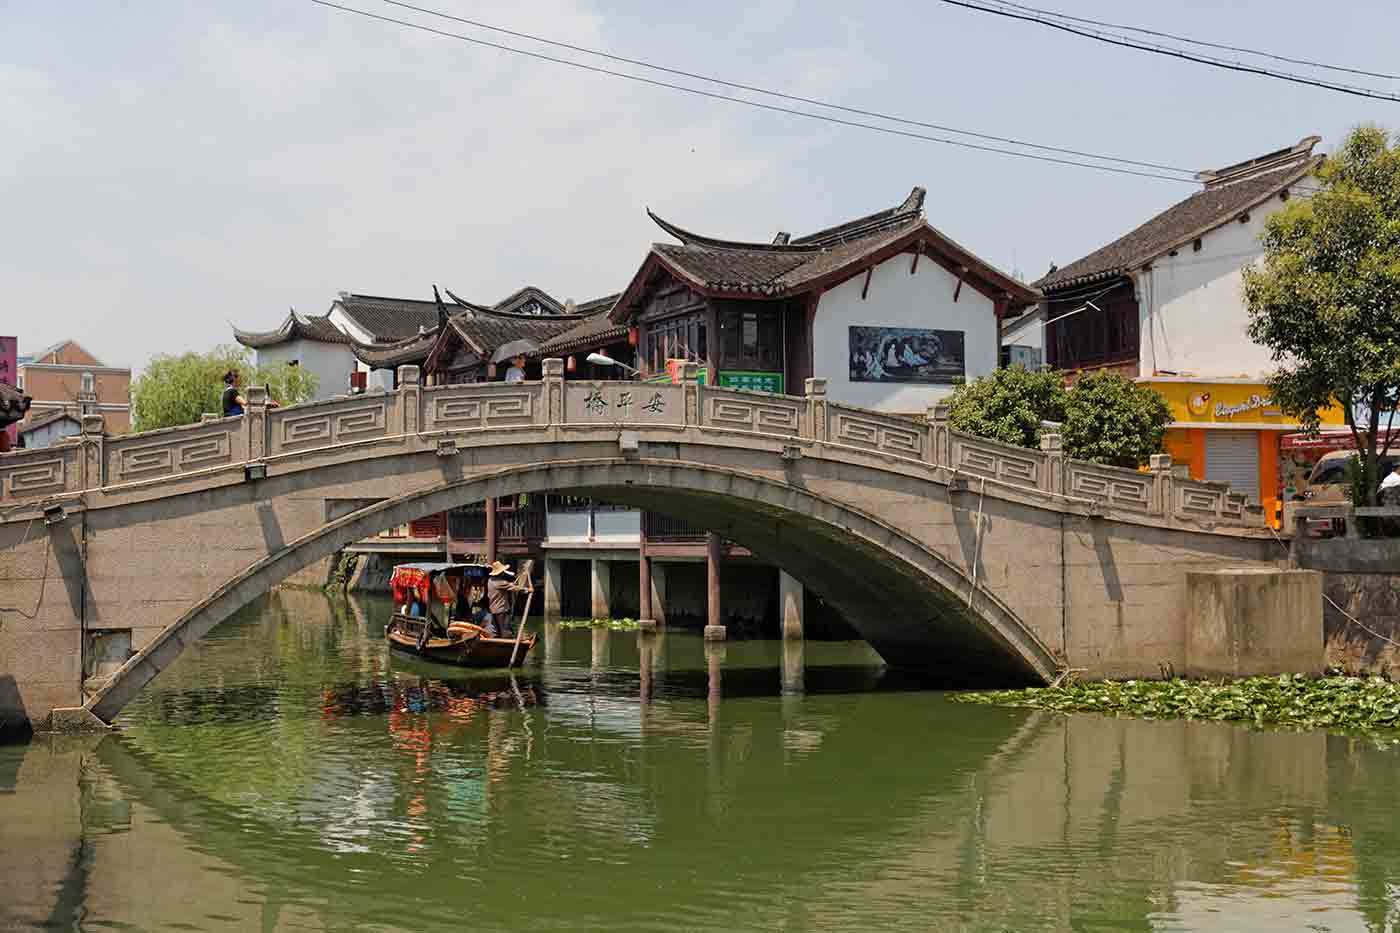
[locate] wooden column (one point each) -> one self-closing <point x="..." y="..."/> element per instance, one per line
<point x="645" y="620"/>
<point x="714" y="628"/>
<point x="490" y="530"/>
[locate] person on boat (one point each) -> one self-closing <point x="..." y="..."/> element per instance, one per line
<point x="499" y="593"/>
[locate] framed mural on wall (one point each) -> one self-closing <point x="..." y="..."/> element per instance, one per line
<point x="907" y="354"/>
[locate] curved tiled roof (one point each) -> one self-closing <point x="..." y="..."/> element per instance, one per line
<point x="295" y="327"/>
<point x="1181" y="223"/>
<point x="389" y="319"/>
<point x="791" y="265"/>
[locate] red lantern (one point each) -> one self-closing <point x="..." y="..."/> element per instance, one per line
<point x="632" y="336"/>
<point x="572" y="365"/>
<point x="491" y="371"/>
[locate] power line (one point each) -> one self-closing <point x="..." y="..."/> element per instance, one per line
<point x="1129" y="43"/>
<point x="755" y="104"/>
<point x="1203" y="43"/>
<point x="781" y="94"/>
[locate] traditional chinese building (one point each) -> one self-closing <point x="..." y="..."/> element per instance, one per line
<point x="1164" y="304"/>
<point x="888" y="309"/>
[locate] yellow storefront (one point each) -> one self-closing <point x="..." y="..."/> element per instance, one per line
<point x="1228" y="430"/>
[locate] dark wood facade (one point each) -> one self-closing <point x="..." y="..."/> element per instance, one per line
<point x="725" y="335"/>
<point x="1093" y="338"/>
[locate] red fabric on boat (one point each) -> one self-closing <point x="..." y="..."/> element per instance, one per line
<point x="408" y="584"/>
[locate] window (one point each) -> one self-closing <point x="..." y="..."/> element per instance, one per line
<point x="674" y="338"/>
<point x="751" y="339"/>
<point x="1093" y="336"/>
<point x="88" y="382"/>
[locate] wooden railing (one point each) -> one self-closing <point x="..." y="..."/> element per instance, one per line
<point x="454" y="414"/>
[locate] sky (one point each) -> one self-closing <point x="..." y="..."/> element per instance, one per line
<point x="170" y="168"/>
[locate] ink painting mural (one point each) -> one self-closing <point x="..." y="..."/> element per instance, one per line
<point x="907" y="354"/>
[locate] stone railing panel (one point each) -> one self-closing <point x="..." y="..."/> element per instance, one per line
<point x="172" y="452"/>
<point x="760" y="412"/>
<point x="1116" y="487"/>
<point x="624" y="403"/>
<point x="330" y="423"/>
<point x="1201" y="500"/>
<point x="995" y="460"/>
<point x="887" y="434"/>
<point x="476" y="407"/>
<point x="34" y="474"/>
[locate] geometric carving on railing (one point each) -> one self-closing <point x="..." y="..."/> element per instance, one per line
<point x="763" y="417"/>
<point x="1200" y="499"/>
<point x="997" y="463"/>
<point x="329" y="428"/>
<point x="142" y="461"/>
<point x="484" y="410"/>
<point x="33" y="477"/>
<point x="1122" y="490"/>
<point x="897" y="437"/>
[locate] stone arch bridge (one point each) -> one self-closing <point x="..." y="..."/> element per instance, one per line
<point x="979" y="562"/>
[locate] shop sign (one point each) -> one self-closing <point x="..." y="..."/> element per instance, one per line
<point x="759" y="382"/>
<point x="1253" y="403"/>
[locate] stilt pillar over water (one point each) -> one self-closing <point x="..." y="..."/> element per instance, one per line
<point x="646" y="622"/>
<point x="791" y="599"/>
<point x="553" y="588"/>
<point x="602" y="590"/>
<point x="714" y="617"/>
<point x="657" y="572"/>
<point x="490" y="530"/>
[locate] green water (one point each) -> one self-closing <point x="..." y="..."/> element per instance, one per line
<point x="288" y="773"/>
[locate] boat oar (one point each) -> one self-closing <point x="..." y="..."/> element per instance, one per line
<point x="520" y="629"/>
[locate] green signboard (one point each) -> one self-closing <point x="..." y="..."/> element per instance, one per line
<point x="759" y="382"/>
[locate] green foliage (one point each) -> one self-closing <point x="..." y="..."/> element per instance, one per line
<point x="621" y="625"/>
<point x="1352" y="704"/>
<point x="1112" y="420"/>
<point x="1326" y="300"/>
<point x="176" y="390"/>
<point x="1008" y="405"/>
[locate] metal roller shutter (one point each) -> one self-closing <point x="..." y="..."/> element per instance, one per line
<point x="1233" y="457"/>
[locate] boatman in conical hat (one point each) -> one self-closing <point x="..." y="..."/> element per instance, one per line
<point x="498" y="595"/>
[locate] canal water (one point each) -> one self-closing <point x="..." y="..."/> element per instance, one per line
<point x="289" y="773"/>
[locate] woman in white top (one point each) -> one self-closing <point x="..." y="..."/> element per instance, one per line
<point x="516" y="373"/>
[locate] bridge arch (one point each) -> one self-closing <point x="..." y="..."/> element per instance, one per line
<point x="911" y="603"/>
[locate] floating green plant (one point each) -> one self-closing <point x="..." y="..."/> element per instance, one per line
<point x="622" y="625"/>
<point x="1351" y="704"/>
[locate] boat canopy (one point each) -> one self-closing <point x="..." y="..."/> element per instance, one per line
<point x="422" y="581"/>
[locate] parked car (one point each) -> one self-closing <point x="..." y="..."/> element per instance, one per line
<point x="1328" y="485"/>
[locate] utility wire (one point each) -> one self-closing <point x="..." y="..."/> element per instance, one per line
<point x="780" y="94"/>
<point x="1142" y="46"/>
<point x="773" y="108"/>
<point x="1203" y="43"/>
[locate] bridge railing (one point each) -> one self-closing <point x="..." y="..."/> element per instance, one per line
<point x="92" y="461"/>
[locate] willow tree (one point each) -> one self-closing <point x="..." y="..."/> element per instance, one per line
<point x="1326" y="300"/>
<point x="175" y="390"/>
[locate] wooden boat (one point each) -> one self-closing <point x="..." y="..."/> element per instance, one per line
<point x="460" y="642"/>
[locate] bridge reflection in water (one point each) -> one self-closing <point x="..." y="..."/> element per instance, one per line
<point x="288" y="772"/>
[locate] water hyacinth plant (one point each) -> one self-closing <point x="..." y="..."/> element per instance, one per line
<point x="1348" y="704"/>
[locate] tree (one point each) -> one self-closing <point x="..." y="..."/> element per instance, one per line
<point x="1008" y="405"/>
<point x="177" y="390"/>
<point x="1326" y="300"/>
<point x="1112" y="420"/>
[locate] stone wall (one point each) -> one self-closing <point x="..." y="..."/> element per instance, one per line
<point x="1362" y="576"/>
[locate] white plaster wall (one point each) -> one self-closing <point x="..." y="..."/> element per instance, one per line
<point x="331" y="362"/>
<point x="898" y="299"/>
<point x="1191" y="305"/>
<point x="51" y="433"/>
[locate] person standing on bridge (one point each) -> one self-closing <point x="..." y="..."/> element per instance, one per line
<point x="516" y="373"/>
<point x="233" y="400"/>
<point x="500" y="595"/>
